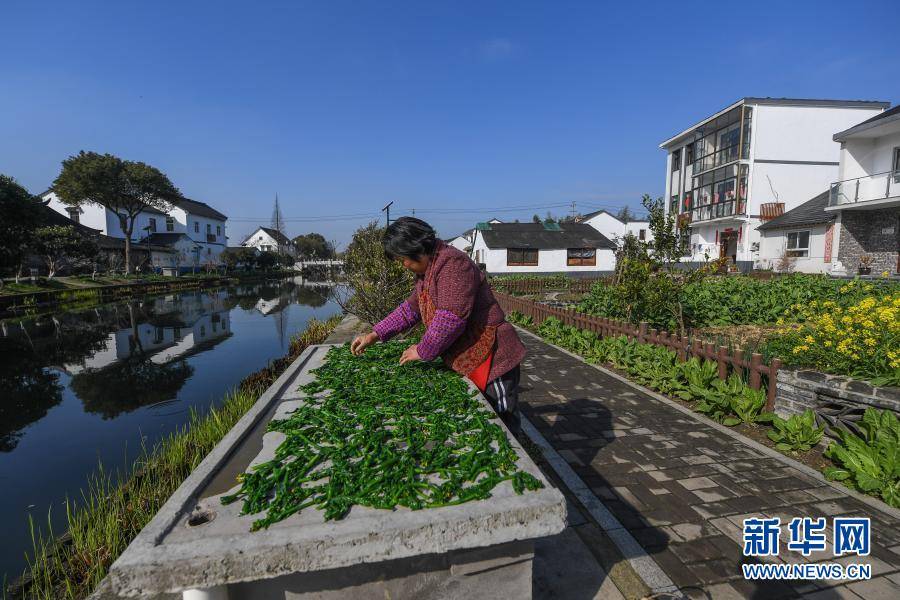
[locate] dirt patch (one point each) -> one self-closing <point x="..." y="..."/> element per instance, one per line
<point x="814" y="458"/>
<point x="736" y="336"/>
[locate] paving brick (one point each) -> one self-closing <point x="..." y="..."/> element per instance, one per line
<point x="879" y="588"/>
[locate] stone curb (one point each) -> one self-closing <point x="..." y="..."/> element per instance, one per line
<point x="806" y="470"/>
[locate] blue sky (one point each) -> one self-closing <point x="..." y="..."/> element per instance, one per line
<point x="460" y="110"/>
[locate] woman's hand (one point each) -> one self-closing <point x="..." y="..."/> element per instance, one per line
<point x="361" y="342"/>
<point x="409" y="355"/>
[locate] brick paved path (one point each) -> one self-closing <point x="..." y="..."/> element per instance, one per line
<point x="682" y="487"/>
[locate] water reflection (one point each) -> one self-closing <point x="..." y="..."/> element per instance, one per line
<point x="125" y="356"/>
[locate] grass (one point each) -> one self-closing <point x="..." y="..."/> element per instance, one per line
<point x="114" y="508"/>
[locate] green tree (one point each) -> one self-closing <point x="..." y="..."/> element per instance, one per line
<point x="61" y="246"/>
<point x="625" y="214"/>
<point x="375" y="284"/>
<point x="20" y="215"/>
<point x="668" y="239"/>
<point x="536" y="219"/>
<point x="123" y="186"/>
<point x="313" y="246"/>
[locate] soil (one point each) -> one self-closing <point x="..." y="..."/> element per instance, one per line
<point x="736" y="336"/>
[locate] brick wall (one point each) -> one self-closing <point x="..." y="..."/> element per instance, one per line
<point x="837" y="401"/>
<point x="872" y="232"/>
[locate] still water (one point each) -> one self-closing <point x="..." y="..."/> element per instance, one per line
<point x="86" y="386"/>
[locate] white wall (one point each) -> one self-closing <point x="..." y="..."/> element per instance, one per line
<point x="866" y="156"/>
<point x="608" y="225"/>
<point x="793" y="184"/>
<point x="260" y="238"/>
<point x="635" y="227"/>
<point x="773" y="243"/>
<point x="92" y="215"/>
<point x="549" y="261"/>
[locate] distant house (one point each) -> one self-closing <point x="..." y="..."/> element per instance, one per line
<point x="616" y="230"/>
<point x="173" y="250"/>
<point x="465" y="240"/>
<point x="542" y="248"/>
<point x="266" y="239"/>
<point x="803" y="235"/>
<point x="201" y="223"/>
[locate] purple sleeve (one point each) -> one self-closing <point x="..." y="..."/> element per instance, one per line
<point x="443" y="331"/>
<point x="401" y="318"/>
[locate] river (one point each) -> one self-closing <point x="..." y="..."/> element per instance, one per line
<point x="82" y="387"/>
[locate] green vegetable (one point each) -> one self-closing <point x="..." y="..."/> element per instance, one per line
<point x="799" y="433"/>
<point x="870" y="464"/>
<point x="381" y="435"/>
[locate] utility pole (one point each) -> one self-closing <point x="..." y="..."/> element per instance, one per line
<point x="573" y="210"/>
<point x="387" y="210"/>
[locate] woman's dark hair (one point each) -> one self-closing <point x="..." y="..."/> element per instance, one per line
<point x="408" y="237"/>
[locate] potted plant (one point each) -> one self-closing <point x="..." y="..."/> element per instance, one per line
<point x="865" y="264"/>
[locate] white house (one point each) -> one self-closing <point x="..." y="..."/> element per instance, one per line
<point x="203" y="225"/>
<point x="801" y="237"/>
<point x="266" y="239"/>
<point x="753" y="160"/>
<point x="542" y="248"/>
<point x="865" y="196"/>
<point x="616" y="230"/>
<point x="464" y="240"/>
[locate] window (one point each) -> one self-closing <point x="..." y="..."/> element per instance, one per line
<point x="676" y="160"/>
<point x="151" y="225"/>
<point x="798" y="243"/>
<point x="895" y="167"/>
<point x="642" y="234"/>
<point x="689" y="154"/>
<point x="74" y="214"/>
<point x="208" y="251"/>
<point x="218" y="230"/>
<point x="581" y="257"/>
<point x="521" y="257"/>
<point x="170" y="224"/>
<point x="196" y="227"/>
<point x="208" y="229"/>
<point x="673" y="205"/>
<point x="718" y="142"/>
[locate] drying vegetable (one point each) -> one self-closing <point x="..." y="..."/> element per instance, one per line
<point x="381" y="435"/>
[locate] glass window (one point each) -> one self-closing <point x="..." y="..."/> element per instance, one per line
<point x="196" y="227"/>
<point x="218" y="230"/>
<point x="798" y="243"/>
<point x="522" y="257"/>
<point x="689" y="153"/>
<point x="582" y="257"/>
<point x="676" y="160"/>
<point x="895" y="167"/>
<point x="74" y="214"/>
<point x="642" y="234"/>
<point x="208" y="229"/>
<point x="152" y="224"/>
<point x="673" y="204"/>
<point x="170" y="224"/>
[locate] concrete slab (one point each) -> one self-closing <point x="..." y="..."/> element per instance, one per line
<point x="196" y="542"/>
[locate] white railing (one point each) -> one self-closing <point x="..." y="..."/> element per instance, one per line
<point x="864" y="189"/>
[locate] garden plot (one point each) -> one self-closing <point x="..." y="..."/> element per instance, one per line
<point x="373" y="493"/>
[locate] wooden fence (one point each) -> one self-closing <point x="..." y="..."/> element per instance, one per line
<point x="539" y="285"/>
<point x="685" y="346"/>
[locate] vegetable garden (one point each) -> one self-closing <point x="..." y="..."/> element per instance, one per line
<point x="374" y="433"/>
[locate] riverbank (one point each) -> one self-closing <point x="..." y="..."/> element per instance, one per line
<point x="115" y="508"/>
<point x="80" y="292"/>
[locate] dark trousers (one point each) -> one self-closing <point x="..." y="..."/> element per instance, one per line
<point x="503" y="394"/>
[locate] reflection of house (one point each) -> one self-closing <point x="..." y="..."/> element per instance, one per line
<point x="542" y="248"/>
<point x="616" y="230"/>
<point x="865" y="196"/>
<point x="751" y="161"/>
<point x="201" y="223"/>
<point x="266" y="239"/>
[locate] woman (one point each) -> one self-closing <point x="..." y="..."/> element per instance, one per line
<point x="464" y="324"/>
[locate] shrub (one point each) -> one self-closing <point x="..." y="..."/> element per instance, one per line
<point x="870" y="464"/>
<point x="799" y="433"/>
<point x="860" y="340"/>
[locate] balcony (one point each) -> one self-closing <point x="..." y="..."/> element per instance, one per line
<point x="871" y="191"/>
<point x="719" y="210"/>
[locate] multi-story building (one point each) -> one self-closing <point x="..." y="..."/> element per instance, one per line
<point x="865" y="197"/>
<point x="203" y="225"/>
<point x="750" y="162"/>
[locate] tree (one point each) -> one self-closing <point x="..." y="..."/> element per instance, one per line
<point x="536" y="219"/>
<point x="313" y="246"/>
<point x="625" y="215"/>
<point x="123" y="186"/>
<point x="61" y="245"/>
<point x="20" y="215"/>
<point x="277" y="218"/>
<point x="375" y="284"/>
<point x="267" y="260"/>
<point x="237" y="257"/>
<point x="668" y="238"/>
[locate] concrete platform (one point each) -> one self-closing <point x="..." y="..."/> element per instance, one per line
<point x="195" y="542"/>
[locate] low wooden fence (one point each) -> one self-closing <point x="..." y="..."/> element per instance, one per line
<point x="549" y="284"/>
<point x="685" y="346"/>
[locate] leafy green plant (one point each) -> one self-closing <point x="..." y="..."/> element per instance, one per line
<point x="375" y="433"/>
<point x="871" y="463"/>
<point x="798" y="433"/>
<point x="746" y="404"/>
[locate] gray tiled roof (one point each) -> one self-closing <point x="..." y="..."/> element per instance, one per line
<point x="535" y="235"/>
<point x="201" y="209"/>
<point x="811" y="212"/>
